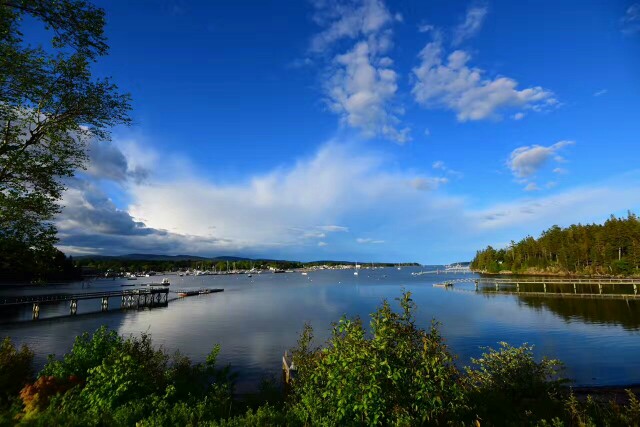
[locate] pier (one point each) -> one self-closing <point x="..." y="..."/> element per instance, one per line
<point x="288" y="370"/>
<point x="135" y="298"/>
<point x="554" y="287"/>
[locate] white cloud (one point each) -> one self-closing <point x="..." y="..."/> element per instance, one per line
<point x="427" y="184"/>
<point x="425" y="28"/>
<point x="91" y="223"/>
<point x="600" y="92"/>
<point x="361" y="94"/>
<point x="334" y="228"/>
<point x="518" y="116"/>
<point x="341" y="188"/>
<point x="108" y="162"/>
<point x="441" y="166"/>
<point x="631" y="20"/>
<point x="348" y="19"/>
<point x="365" y="241"/>
<point x="471" y="25"/>
<point x="581" y="204"/>
<point x="286" y="205"/>
<point x="560" y="170"/>
<point x="532" y="186"/>
<point x="427" y="132"/>
<point x="526" y="161"/>
<point x="360" y="84"/>
<point x="453" y="85"/>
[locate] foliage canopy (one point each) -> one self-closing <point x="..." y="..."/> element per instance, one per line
<point x="50" y="108"/>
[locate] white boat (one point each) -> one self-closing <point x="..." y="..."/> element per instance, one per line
<point x="304" y="273"/>
<point x="355" y="273"/>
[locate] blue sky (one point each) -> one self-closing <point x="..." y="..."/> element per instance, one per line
<point x="363" y="130"/>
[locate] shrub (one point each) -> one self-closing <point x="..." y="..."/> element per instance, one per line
<point x="398" y="374"/>
<point x="16" y="370"/>
<point x="507" y="386"/>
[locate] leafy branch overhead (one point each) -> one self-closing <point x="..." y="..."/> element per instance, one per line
<point x="50" y="108"/>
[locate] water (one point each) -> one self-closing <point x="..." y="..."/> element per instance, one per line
<point x="255" y="319"/>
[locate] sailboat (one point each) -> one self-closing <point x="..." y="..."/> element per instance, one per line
<point x="355" y="273"/>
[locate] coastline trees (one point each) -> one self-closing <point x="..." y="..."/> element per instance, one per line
<point x="609" y="248"/>
<point x="50" y="108"/>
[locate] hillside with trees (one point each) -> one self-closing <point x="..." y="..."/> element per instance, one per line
<point x="612" y="248"/>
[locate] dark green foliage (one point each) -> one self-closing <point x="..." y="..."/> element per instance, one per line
<point x="507" y="386"/>
<point x="50" y="107"/>
<point x="122" y="381"/>
<point x="15" y="370"/>
<point x="612" y="248"/>
<point x="398" y="374"/>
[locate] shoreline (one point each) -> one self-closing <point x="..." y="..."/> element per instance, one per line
<point x="551" y="274"/>
<point x="617" y="393"/>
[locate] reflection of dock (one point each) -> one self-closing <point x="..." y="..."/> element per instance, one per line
<point x="152" y="297"/>
<point x="554" y="287"/>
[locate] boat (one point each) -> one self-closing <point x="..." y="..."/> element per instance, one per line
<point x="204" y="291"/>
<point x="443" y="285"/>
<point x="165" y="282"/>
<point x="304" y="273"/>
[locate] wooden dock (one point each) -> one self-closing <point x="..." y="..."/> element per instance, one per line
<point x="613" y="288"/>
<point x="288" y="370"/>
<point x="150" y="297"/>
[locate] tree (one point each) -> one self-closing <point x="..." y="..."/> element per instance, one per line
<point x="50" y="108"/>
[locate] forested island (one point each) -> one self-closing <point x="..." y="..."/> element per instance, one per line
<point x="612" y="248"/>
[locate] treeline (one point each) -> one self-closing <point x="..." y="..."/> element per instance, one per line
<point x="134" y="266"/>
<point x="392" y="373"/>
<point x="20" y="263"/>
<point x="612" y="248"/>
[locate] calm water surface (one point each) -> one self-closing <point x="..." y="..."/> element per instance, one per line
<point x="255" y="319"/>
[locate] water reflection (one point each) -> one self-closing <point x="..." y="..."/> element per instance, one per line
<point x="256" y="319"/>
<point x="625" y="313"/>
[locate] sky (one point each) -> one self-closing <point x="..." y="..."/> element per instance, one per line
<point x="363" y="130"/>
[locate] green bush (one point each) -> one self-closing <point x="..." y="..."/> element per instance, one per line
<point x="398" y="374"/>
<point x="507" y="386"/>
<point x="15" y="370"/>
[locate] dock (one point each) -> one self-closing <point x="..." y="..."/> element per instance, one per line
<point x="288" y="371"/>
<point x="151" y="297"/>
<point x="148" y="297"/>
<point x="616" y="288"/>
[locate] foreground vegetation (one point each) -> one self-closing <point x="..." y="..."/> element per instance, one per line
<point x="612" y="248"/>
<point x="394" y="373"/>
